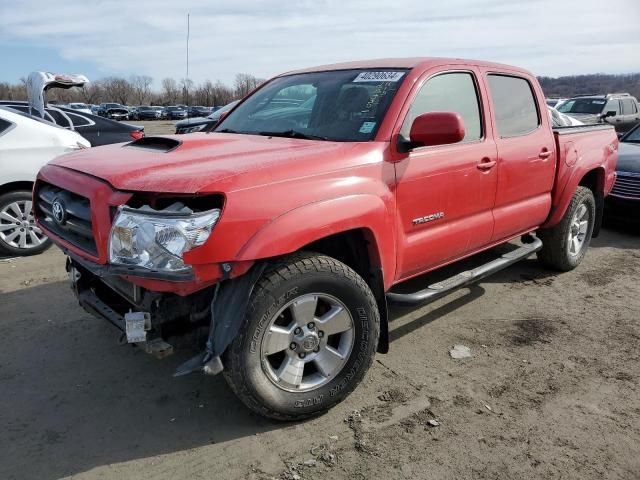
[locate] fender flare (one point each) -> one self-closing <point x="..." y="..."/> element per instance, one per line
<point x="303" y="225"/>
<point x="558" y="210"/>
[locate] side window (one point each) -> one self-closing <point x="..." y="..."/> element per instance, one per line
<point x="628" y="107"/>
<point x="612" y="106"/>
<point x="448" y="92"/>
<point x="4" y="125"/>
<point x="58" y="118"/>
<point x="514" y="105"/>
<point x="78" y="120"/>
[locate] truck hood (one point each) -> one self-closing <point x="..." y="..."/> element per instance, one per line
<point x="210" y="162"/>
<point x="628" y="157"/>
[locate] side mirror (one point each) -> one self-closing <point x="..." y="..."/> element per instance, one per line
<point x="610" y="113"/>
<point x="436" y="128"/>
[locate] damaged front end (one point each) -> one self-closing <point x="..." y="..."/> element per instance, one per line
<point x="144" y="286"/>
<point x="208" y="319"/>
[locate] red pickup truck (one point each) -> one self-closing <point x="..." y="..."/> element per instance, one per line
<point x="276" y="240"/>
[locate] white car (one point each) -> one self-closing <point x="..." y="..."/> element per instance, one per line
<point x="80" y="107"/>
<point x="26" y="144"/>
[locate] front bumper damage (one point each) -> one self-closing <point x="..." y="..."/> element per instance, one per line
<point x="208" y="319"/>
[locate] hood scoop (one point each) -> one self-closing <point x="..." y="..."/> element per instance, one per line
<point x="158" y="144"/>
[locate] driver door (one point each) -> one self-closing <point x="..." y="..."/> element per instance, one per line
<point x="445" y="194"/>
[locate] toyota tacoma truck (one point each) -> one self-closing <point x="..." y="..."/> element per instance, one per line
<point x="278" y="240"/>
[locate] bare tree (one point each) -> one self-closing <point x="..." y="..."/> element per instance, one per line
<point x="91" y="92"/>
<point x="245" y="83"/>
<point x="169" y="90"/>
<point x="186" y="85"/>
<point x="141" y="85"/>
<point x="117" y="89"/>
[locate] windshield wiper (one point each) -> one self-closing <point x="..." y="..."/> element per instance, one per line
<point x="224" y="130"/>
<point x="293" y="134"/>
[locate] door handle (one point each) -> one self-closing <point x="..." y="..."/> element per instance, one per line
<point x="544" y="154"/>
<point x="486" y="164"/>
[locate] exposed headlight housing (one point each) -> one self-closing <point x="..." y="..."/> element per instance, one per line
<point x="156" y="240"/>
<point x="197" y="128"/>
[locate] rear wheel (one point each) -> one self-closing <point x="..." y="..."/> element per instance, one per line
<point x="565" y="245"/>
<point x="309" y="336"/>
<point x="19" y="234"/>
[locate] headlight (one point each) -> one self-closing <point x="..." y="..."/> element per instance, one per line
<point x="157" y="240"/>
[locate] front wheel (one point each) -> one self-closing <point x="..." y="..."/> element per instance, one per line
<point x="309" y="335"/>
<point x="19" y="234"/>
<point x="565" y="245"/>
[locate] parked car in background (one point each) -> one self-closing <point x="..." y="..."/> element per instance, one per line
<point x="147" y="113"/>
<point x="94" y="109"/>
<point x="618" y="109"/>
<point x="561" y="120"/>
<point x="79" y="107"/>
<point x="174" y="112"/>
<point x="554" y="102"/>
<point x="26" y="144"/>
<point x="288" y="229"/>
<point x="198" y="111"/>
<point x="97" y="130"/>
<point x="199" y="124"/>
<point x="624" y="200"/>
<point x="114" y="111"/>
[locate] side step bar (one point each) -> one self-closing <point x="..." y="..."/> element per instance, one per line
<point x="440" y="289"/>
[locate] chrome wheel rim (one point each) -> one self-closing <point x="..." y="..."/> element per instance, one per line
<point x="578" y="230"/>
<point x="18" y="228"/>
<point x="307" y="343"/>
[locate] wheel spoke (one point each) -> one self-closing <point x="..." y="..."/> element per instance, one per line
<point x="582" y="211"/>
<point x="22" y="243"/>
<point x="5" y="216"/>
<point x="328" y="361"/>
<point x="12" y="236"/>
<point x="27" y="208"/>
<point x="582" y="226"/>
<point x="575" y="245"/>
<point x="34" y="238"/>
<point x="7" y="226"/>
<point x="291" y="371"/>
<point x="303" y="310"/>
<point x="276" y="340"/>
<point x="15" y="208"/>
<point x="336" y="320"/>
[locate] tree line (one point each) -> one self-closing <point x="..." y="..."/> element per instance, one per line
<point x="137" y="90"/>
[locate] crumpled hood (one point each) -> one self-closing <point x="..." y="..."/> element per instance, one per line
<point x="628" y="157"/>
<point x="209" y="162"/>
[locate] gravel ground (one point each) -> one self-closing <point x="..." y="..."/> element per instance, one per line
<point x="550" y="391"/>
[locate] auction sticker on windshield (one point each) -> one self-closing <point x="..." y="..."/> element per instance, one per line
<point x="379" y="77"/>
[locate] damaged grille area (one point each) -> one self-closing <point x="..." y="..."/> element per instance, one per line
<point x="66" y="214"/>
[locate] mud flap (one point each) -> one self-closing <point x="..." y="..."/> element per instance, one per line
<point x="228" y="308"/>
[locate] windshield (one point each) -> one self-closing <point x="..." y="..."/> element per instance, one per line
<point x="344" y="105"/>
<point x="582" y="105"/>
<point x="174" y="109"/>
<point x="145" y="109"/>
<point x="633" y="136"/>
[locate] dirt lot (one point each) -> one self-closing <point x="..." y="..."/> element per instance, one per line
<point x="551" y="390"/>
<point x="157" y="127"/>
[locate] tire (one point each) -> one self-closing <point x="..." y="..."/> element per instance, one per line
<point x="18" y="231"/>
<point x="565" y="245"/>
<point x="263" y="369"/>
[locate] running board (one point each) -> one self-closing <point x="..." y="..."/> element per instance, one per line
<point x="440" y="289"/>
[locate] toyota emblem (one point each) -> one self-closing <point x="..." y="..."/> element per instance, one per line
<point x="59" y="212"/>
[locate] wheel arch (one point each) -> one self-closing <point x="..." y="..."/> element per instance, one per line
<point x="15" y="186"/>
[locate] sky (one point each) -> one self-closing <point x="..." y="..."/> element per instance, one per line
<point x="264" y="38"/>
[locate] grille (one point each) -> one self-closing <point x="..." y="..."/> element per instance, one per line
<point x="75" y="226"/>
<point x="627" y="185"/>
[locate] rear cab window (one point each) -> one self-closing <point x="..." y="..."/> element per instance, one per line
<point x="514" y="105"/>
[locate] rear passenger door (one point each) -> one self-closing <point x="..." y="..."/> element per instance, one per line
<point x="526" y="155"/>
<point x="629" y="113"/>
